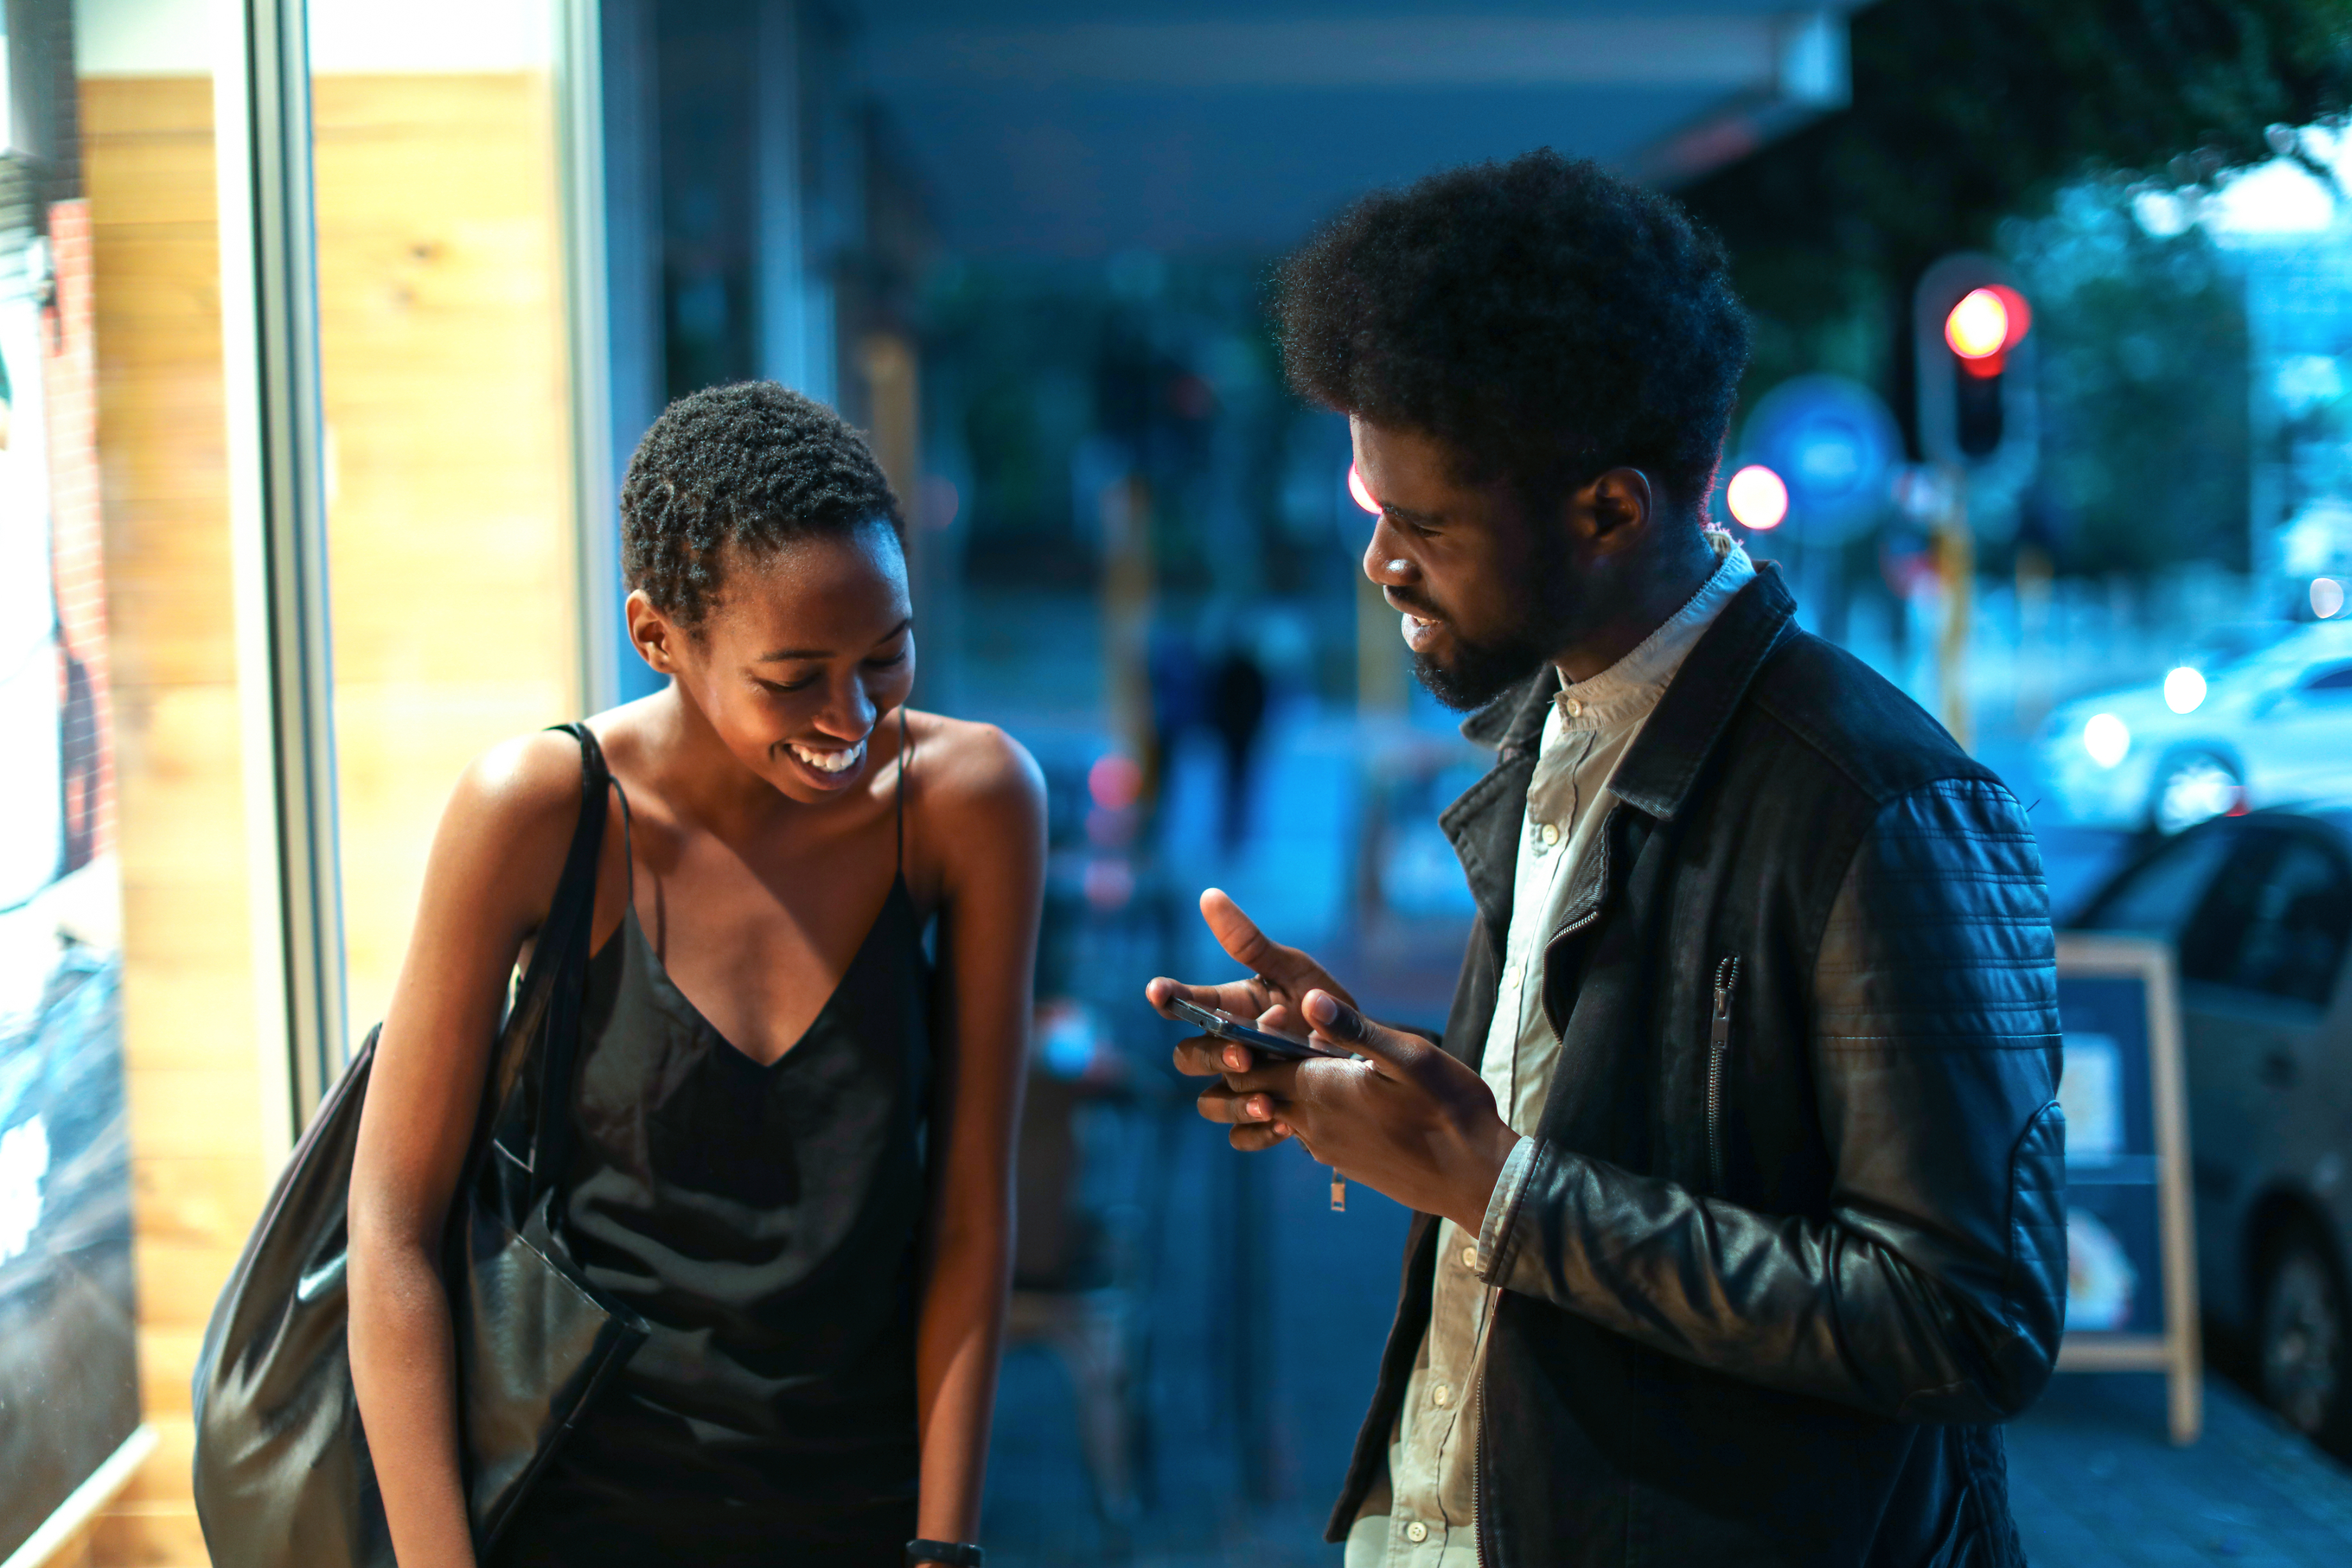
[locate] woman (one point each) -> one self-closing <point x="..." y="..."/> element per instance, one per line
<point x="791" y="1143"/>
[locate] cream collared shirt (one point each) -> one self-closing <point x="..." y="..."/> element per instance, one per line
<point x="1590" y="726"/>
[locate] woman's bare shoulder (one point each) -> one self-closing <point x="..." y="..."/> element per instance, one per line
<point x="974" y="775"/>
<point x="531" y="781"/>
<point x="508" y="825"/>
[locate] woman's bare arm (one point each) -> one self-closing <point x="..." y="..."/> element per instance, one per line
<point x="987" y="815"/>
<point x="487" y="885"/>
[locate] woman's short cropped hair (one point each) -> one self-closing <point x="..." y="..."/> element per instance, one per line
<point x="753" y="465"/>
<point x="1544" y="318"/>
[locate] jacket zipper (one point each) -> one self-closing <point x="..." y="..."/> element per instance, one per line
<point x="1479" y="1463"/>
<point x="1718" y="1048"/>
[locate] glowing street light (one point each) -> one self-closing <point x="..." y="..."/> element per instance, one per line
<point x="2107" y="738"/>
<point x="2326" y="597"/>
<point x="2184" y="689"/>
<point x="1361" y="492"/>
<point x="1978" y="327"/>
<point x="1757" y="498"/>
<point x="1984" y="326"/>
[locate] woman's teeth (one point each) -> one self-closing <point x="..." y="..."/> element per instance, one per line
<point x="830" y="761"/>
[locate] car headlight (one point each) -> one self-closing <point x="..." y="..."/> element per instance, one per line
<point x="2107" y="738"/>
<point x="2184" y="689"/>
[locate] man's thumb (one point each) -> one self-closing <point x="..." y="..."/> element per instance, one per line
<point x="1343" y="1025"/>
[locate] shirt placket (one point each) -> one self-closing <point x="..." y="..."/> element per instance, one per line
<point x="1546" y="841"/>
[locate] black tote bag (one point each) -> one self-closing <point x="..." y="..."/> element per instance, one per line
<point x="282" y="1474"/>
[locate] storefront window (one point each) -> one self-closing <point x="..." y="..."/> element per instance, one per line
<point x="442" y="348"/>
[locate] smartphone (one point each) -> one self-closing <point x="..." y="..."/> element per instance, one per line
<point x="1224" y="1026"/>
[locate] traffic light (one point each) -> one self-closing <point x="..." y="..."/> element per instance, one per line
<point x="1975" y="371"/>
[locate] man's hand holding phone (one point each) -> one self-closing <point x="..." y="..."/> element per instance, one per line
<point x="1407" y="1119"/>
<point x="1270" y="998"/>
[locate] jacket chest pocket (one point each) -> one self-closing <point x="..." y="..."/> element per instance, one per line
<point x="1718" y="1064"/>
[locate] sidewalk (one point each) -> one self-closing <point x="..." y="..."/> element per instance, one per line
<point x="2096" y="1485"/>
<point x="2093" y="1481"/>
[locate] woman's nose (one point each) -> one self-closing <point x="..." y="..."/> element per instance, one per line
<point x="850" y="714"/>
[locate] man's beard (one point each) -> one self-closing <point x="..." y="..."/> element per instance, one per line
<point x="1549" y="606"/>
<point x="1479" y="672"/>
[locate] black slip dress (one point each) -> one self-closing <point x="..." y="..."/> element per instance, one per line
<point x="765" y="1222"/>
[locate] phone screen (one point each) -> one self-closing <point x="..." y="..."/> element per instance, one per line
<point x="1224" y="1026"/>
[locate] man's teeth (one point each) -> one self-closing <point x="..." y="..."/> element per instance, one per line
<point x="831" y="761"/>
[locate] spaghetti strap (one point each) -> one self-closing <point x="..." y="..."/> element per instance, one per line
<point x="904" y="758"/>
<point x="628" y="847"/>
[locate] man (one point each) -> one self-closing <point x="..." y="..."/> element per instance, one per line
<point x="1738" y="1168"/>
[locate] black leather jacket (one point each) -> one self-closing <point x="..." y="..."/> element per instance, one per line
<point x="1794" y="1237"/>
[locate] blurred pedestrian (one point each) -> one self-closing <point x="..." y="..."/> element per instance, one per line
<point x="1237" y="713"/>
<point x="789" y="1143"/>
<point x="1738" y="1170"/>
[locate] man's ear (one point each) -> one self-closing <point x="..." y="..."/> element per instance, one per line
<point x="1621" y="503"/>
<point x="652" y="634"/>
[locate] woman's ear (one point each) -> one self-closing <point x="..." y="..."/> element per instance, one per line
<point x="654" y="634"/>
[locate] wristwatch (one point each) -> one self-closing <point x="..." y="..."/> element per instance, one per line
<point x="954" y="1553"/>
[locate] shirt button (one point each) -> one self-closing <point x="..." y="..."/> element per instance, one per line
<point x="1441" y="1395"/>
<point x="1550" y="833"/>
<point x="1416" y="1533"/>
<point x="1470" y="1258"/>
<point x="1575" y="708"/>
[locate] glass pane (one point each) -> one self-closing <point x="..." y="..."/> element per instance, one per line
<point x="442" y="346"/>
<point x="2214" y="938"/>
<point x="131" y="1122"/>
<point x="68" y="1331"/>
<point x="2336" y="679"/>
<point x="2295" y="939"/>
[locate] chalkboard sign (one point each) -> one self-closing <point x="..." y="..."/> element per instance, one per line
<point x="2131" y="1256"/>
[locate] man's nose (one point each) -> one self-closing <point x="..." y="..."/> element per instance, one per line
<point x="1384" y="563"/>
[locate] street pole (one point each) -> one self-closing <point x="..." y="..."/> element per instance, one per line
<point x="1127" y="591"/>
<point x="1955" y="567"/>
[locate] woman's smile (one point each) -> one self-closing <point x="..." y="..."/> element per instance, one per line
<point x="827" y="768"/>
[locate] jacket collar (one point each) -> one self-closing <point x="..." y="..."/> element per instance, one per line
<point x="1658" y="770"/>
<point x="1664" y="760"/>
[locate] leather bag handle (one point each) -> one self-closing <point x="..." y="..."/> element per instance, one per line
<point x="540" y="1039"/>
<point x="575" y="906"/>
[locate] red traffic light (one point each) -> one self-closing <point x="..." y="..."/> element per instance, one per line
<point x="1984" y="326"/>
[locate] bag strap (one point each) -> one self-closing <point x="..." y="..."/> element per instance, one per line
<point x="570" y="935"/>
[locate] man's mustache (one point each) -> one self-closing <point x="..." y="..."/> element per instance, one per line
<point x="1409" y="603"/>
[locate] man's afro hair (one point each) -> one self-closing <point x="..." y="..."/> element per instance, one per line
<point x="753" y="465"/>
<point x="1543" y="319"/>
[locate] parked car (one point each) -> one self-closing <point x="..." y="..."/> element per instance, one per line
<point x="2232" y="729"/>
<point x="2257" y="909"/>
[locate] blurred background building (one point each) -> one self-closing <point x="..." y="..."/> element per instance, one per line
<point x="327" y="327"/>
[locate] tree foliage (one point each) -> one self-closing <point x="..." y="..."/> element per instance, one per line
<point x="1969" y="112"/>
<point x="2143" y="387"/>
